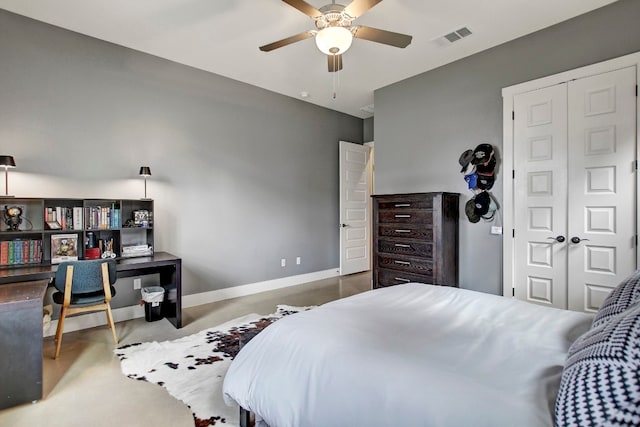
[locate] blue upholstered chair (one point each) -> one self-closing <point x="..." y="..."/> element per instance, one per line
<point x="84" y="286"/>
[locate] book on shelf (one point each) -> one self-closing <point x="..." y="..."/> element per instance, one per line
<point x="63" y="218"/>
<point x="101" y="217"/>
<point x="20" y="251"/>
<point x="64" y="247"/>
<point x="77" y="218"/>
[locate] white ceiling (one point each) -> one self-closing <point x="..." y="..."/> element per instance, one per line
<point x="222" y="36"/>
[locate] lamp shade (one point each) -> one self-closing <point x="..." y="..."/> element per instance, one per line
<point x="145" y="171"/>
<point x="7" y="162"/>
<point x="334" y="40"/>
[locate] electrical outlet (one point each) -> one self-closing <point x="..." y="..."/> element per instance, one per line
<point x="283" y="262"/>
<point x="496" y="230"/>
<point x="298" y="260"/>
<point x="137" y="283"/>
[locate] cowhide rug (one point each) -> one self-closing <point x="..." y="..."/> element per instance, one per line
<point x="192" y="368"/>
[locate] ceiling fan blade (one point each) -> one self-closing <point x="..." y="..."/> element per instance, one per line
<point x="358" y="7"/>
<point x="334" y="62"/>
<point x="382" y="36"/>
<point x="304" y="7"/>
<point x="284" y="42"/>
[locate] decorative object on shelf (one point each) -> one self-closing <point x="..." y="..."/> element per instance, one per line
<point x="106" y="247"/>
<point x="7" y="162"/>
<point x="53" y="225"/>
<point x="141" y="218"/>
<point x="91" y="249"/>
<point x="137" y="250"/>
<point x="145" y="171"/>
<point x="64" y="247"/>
<point x="12" y="217"/>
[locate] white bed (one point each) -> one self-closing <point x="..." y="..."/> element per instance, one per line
<point x="408" y="355"/>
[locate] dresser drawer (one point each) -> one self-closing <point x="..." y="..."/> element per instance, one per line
<point x="424" y="203"/>
<point x="391" y="277"/>
<point x="406" y="216"/>
<point x="420" y="249"/>
<point x="406" y="264"/>
<point x="410" y="231"/>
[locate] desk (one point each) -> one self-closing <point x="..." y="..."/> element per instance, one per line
<point x="167" y="265"/>
<point x="21" y="342"/>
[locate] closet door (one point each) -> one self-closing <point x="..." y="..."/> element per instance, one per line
<point x="602" y="206"/>
<point x="540" y="185"/>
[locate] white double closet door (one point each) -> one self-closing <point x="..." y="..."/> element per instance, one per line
<point x="574" y="152"/>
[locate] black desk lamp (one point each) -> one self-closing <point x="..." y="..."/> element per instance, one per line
<point x="7" y="162"/>
<point x="145" y="171"/>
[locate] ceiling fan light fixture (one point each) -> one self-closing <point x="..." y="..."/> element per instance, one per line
<point x="334" y="40"/>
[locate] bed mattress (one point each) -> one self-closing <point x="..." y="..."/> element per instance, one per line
<point x="408" y="355"/>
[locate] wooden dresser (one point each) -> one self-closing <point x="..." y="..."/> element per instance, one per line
<point x="415" y="239"/>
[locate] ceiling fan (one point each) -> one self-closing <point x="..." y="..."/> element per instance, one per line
<point x="335" y="31"/>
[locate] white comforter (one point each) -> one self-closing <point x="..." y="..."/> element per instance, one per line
<point x="408" y="355"/>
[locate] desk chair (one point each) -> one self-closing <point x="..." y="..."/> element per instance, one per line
<point x="84" y="286"/>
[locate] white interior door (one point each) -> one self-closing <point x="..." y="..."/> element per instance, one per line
<point x="355" y="208"/>
<point x="602" y="149"/>
<point x="540" y="186"/>
<point x="574" y="190"/>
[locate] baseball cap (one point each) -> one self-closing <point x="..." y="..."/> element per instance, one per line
<point x="482" y="153"/>
<point x="481" y="202"/>
<point x="472" y="180"/>
<point x="488" y="167"/>
<point x="492" y="210"/>
<point x="485" y="181"/>
<point x="465" y="159"/>
<point x="470" y="210"/>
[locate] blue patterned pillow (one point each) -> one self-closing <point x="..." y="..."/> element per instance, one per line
<point x="600" y="383"/>
<point x="621" y="297"/>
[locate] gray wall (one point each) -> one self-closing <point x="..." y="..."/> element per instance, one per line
<point x="368" y="129"/>
<point x="424" y="123"/>
<point x="242" y="177"/>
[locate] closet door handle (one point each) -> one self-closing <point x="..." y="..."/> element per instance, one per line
<point x="558" y="239"/>
<point x="575" y="240"/>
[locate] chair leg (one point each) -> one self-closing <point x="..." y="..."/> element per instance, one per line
<point x="59" y="331"/>
<point x="111" y="324"/>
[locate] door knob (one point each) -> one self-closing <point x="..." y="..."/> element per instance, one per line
<point x="558" y="239"/>
<point x="575" y="240"/>
<point x="343" y="225"/>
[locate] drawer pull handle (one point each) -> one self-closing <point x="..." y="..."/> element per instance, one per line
<point x="403" y="216"/>
<point x="402" y="262"/>
<point x="400" y="245"/>
<point x="403" y="205"/>
<point x="403" y="231"/>
<point x="402" y="279"/>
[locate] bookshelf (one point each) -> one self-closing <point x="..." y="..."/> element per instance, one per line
<point x="116" y="228"/>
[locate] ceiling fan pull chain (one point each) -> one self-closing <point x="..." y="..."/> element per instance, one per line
<point x="334" y="76"/>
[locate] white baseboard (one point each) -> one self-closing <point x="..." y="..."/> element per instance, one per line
<point x="254" y="288"/>
<point x="91" y="320"/>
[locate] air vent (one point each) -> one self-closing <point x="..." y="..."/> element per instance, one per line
<point x="452" y="37"/>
